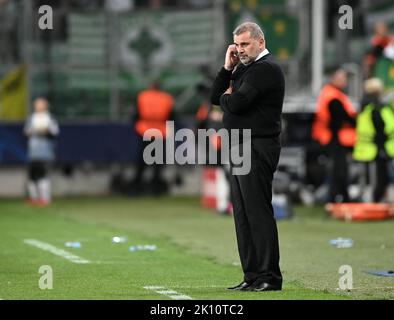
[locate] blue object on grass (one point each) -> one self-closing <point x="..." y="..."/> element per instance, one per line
<point x="389" y="273"/>
<point x="72" y="244"/>
<point x="281" y="206"/>
<point x="146" y="247"/>
<point x="341" y="242"/>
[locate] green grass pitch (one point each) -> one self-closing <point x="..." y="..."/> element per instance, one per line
<point x="196" y="255"/>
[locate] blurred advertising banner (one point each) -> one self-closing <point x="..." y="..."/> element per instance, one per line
<point x="13" y="95"/>
<point x="77" y="143"/>
<point x="280" y="27"/>
<point x="385" y="70"/>
<point x="169" y="46"/>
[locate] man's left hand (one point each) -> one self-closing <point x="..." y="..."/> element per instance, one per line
<point x="229" y="91"/>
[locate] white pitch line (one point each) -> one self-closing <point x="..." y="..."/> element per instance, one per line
<point x="360" y="288"/>
<point x="349" y="290"/>
<point x="310" y="288"/>
<point x="168" y="292"/>
<point x="199" y="287"/>
<point x="56" y="251"/>
<point x="153" y="287"/>
<point x="180" y="297"/>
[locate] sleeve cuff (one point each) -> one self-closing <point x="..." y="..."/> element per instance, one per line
<point x="225" y="73"/>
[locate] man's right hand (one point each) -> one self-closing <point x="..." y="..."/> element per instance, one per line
<point x="231" y="59"/>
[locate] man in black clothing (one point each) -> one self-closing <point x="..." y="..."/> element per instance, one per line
<point x="250" y="90"/>
<point x="339" y="173"/>
<point x="333" y="128"/>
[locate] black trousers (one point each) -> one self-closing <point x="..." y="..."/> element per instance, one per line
<point x="382" y="178"/>
<point x="255" y="225"/>
<point x="141" y="165"/>
<point x="339" y="173"/>
<point x="38" y="170"/>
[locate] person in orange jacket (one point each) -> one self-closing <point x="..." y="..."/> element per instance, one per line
<point x="334" y="128"/>
<point x="154" y="108"/>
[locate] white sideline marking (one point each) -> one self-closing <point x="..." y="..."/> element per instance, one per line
<point x="181" y="297"/>
<point x="199" y="287"/>
<point x="56" y="251"/>
<point x="153" y="287"/>
<point x="360" y="288"/>
<point x="350" y="290"/>
<point x="168" y="292"/>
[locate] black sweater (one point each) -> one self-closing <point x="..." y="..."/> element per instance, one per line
<point x="339" y="117"/>
<point x="257" y="98"/>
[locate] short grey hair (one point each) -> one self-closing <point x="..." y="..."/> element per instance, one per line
<point x="253" y="28"/>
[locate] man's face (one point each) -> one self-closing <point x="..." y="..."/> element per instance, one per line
<point x="40" y="105"/>
<point x="381" y="29"/>
<point x="248" y="48"/>
<point x="339" y="79"/>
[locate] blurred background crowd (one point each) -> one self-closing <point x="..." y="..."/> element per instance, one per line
<point x="102" y="54"/>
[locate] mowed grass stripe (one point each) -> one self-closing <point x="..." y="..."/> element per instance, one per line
<point x="122" y="274"/>
<point x="123" y="278"/>
<point x="307" y="258"/>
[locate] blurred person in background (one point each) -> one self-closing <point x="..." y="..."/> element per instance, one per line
<point x="119" y="6"/>
<point x="381" y="40"/>
<point x="334" y="128"/>
<point x="250" y="90"/>
<point x="210" y="116"/>
<point x="154" y="107"/>
<point x="41" y="129"/>
<point x="375" y="137"/>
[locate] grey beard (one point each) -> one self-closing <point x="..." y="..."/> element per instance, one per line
<point x="251" y="60"/>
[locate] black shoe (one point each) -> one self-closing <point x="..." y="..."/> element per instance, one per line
<point x="263" y="286"/>
<point x="242" y="286"/>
